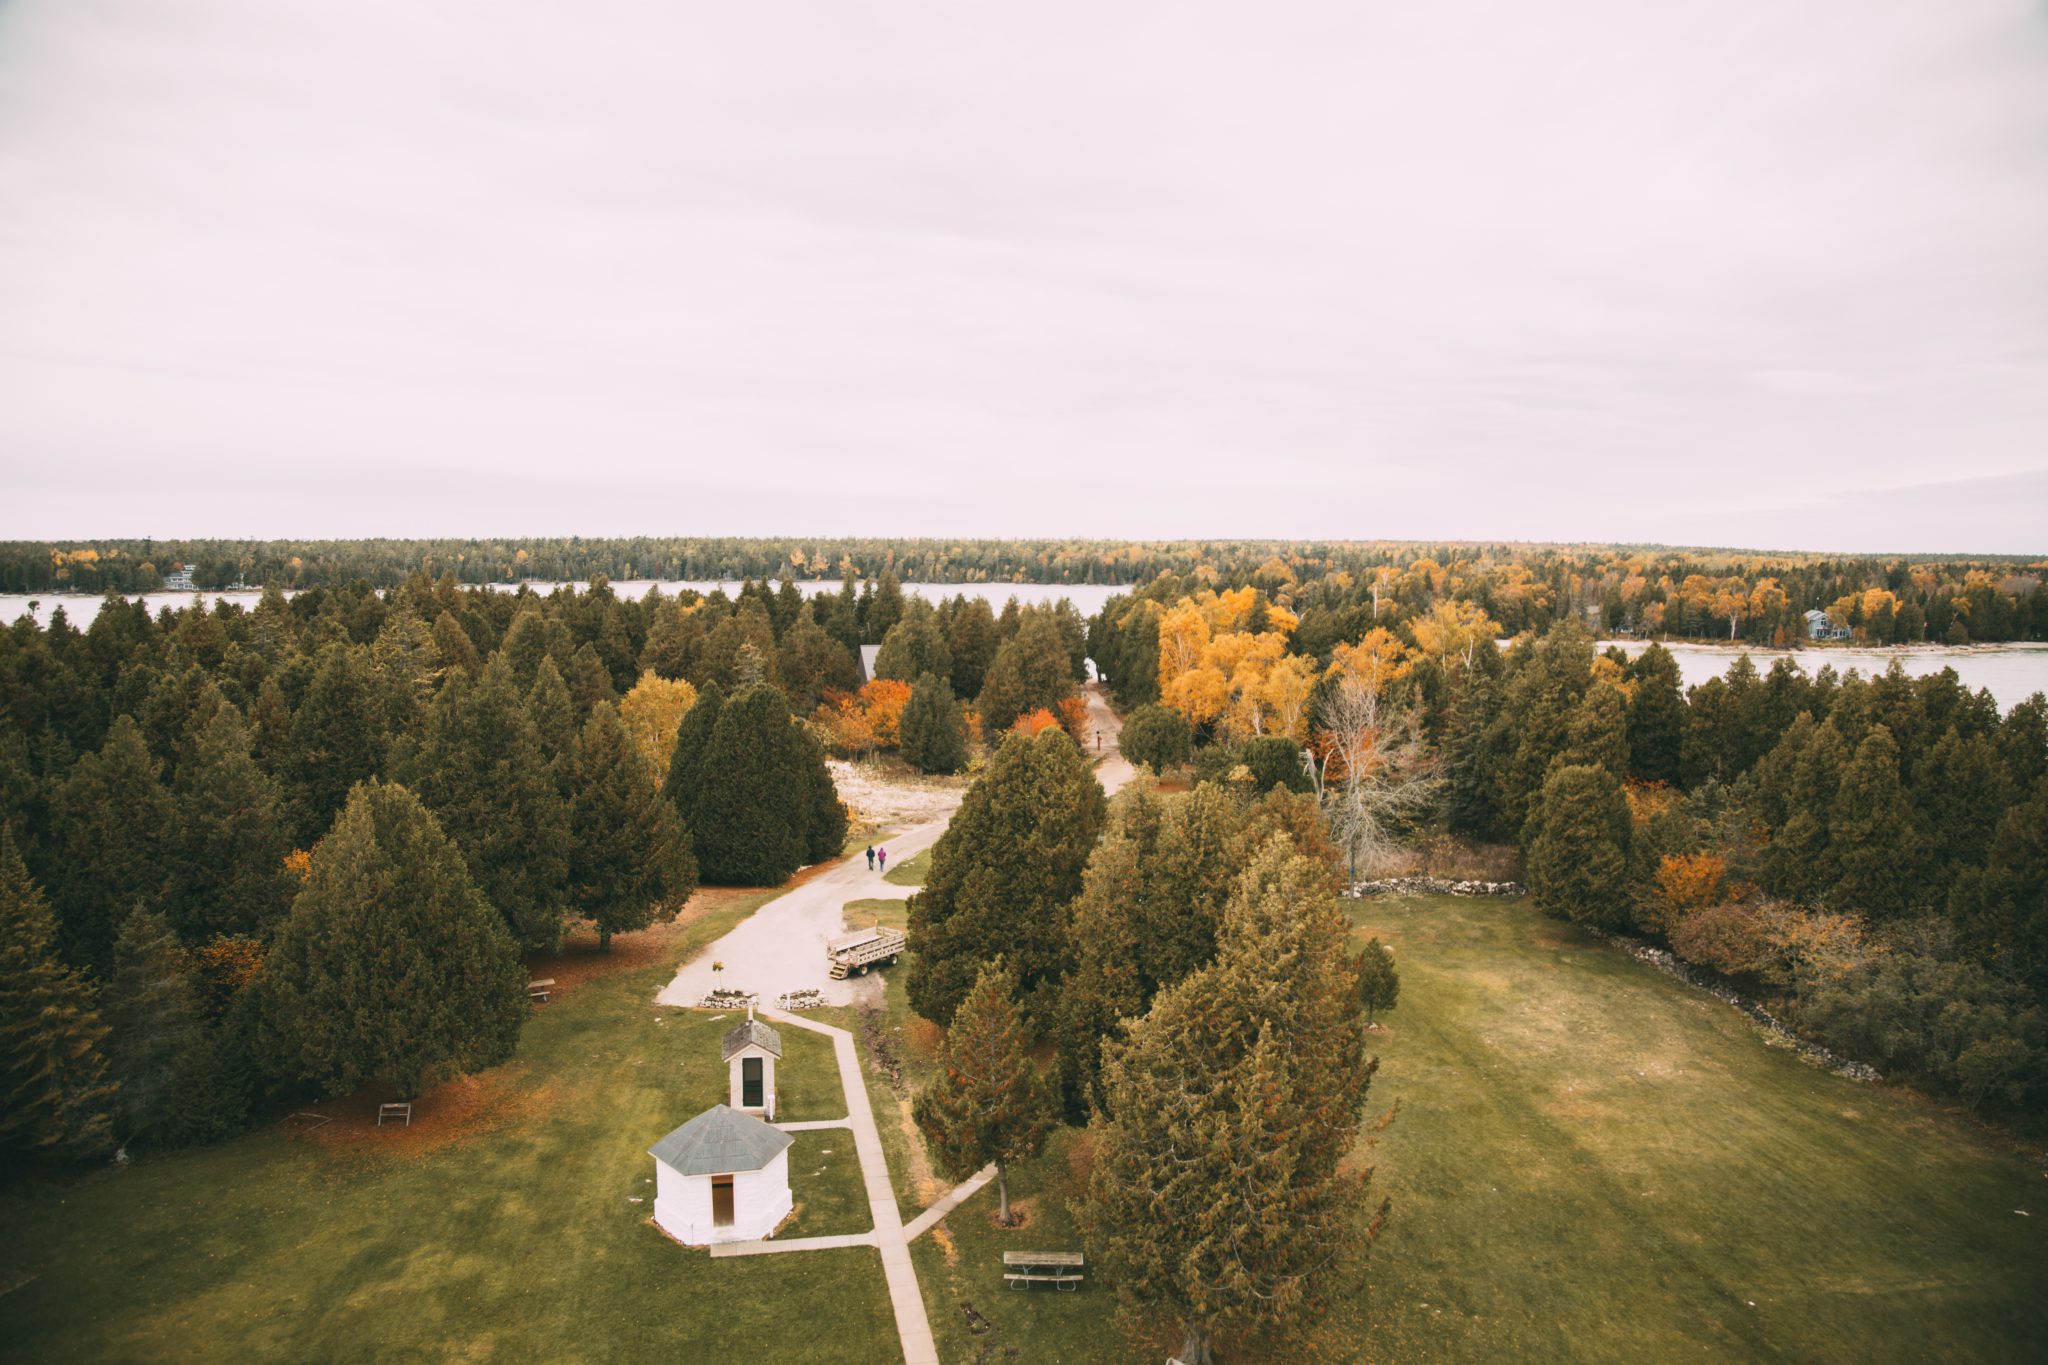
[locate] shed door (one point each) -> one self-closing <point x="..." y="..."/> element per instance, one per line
<point x="721" y="1201"/>
<point x="750" y="1082"/>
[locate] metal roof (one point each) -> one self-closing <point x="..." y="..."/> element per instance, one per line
<point x="720" y="1141"/>
<point x="753" y="1033"/>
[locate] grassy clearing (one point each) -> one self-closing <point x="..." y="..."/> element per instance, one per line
<point x="909" y="872"/>
<point x="1594" y="1162"/>
<point x="519" y="1241"/>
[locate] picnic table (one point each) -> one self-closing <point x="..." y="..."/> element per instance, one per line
<point x="401" y="1109"/>
<point x="1060" y="1269"/>
<point x="540" y="990"/>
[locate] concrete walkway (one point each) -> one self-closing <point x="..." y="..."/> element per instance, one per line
<point x="813" y="1125"/>
<point x="781" y="946"/>
<point x="912" y="1326"/>
<point x="924" y="1222"/>
<point x="722" y="1250"/>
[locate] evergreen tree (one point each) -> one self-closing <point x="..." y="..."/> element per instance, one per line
<point x="482" y="772"/>
<point x="1158" y="737"/>
<point x="986" y="1104"/>
<point x="672" y="639"/>
<point x="1578" y="847"/>
<point x="54" y="1094"/>
<point x="588" y="680"/>
<point x="629" y="854"/>
<point x="810" y="662"/>
<point x="971" y="641"/>
<point x="227" y="871"/>
<point x="1960" y="784"/>
<point x="1656" y="717"/>
<point x="825" y="833"/>
<point x="1031" y="670"/>
<point x="915" y="646"/>
<point x="2001" y="909"/>
<point x="885" y="610"/>
<point x="556" y="721"/>
<point x="1003" y="876"/>
<point x="1799" y="860"/>
<point x="338" y="739"/>
<point x="1151" y="899"/>
<point x="154" y="1023"/>
<point x="1598" y="735"/>
<point x="751" y="818"/>
<point x="452" y="646"/>
<point x="1219" y="1194"/>
<point x="932" y="732"/>
<point x="1274" y="761"/>
<point x="1868" y="831"/>
<point x="111" y="823"/>
<point x="685" y="765"/>
<point x="392" y="967"/>
<point x="1379" y="984"/>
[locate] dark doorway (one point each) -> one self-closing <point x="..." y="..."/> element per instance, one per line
<point x="721" y="1201"/>
<point x="750" y="1082"/>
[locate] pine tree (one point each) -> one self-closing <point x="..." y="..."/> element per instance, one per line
<point x="1959" y="785"/>
<point x="810" y="662"/>
<point x="1598" y="734"/>
<point x="1003" y="876"/>
<point x="392" y="966"/>
<point x="338" y="739"/>
<point x="1800" y="860"/>
<point x="1868" y="831"/>
<point x="932" y="732"/>
<point x="111" y="822"/>
<point x="482" y="772"/>
<point x="986" y="1104"/>
<point x="556" y="721"/>
<point x="971" y="640"/>
<point x="1379" y="984"/>
<point x="1032" y="670"/>
<point x="685" y="765"/>
<point x="154" y="1023"/>
<point x="750" y="822"/>
<point x="629" y="855"/>
<point x="1158" y="737"/>
<point x="2001" y="909"/>
<point x="54" y="1095"/>
<point x="1219" y="1194"/>
<point x="1578" y="847"/>
<point x="1151" y="899"/>
<point x="827" y="821"/>
<point x="915" y="646"/>
<point x="227" y="865"/>
<point x="886" y="609"/>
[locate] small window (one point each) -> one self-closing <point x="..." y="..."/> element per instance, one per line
<point x="750" y="1082"/>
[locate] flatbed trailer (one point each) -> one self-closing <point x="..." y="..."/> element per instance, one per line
<point x="862" y="949"/>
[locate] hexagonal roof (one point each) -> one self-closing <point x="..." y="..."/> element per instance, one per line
<point x="720" y="1141"/>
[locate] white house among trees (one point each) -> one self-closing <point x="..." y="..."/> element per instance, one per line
<point x="721" y="1177"/>
<point x="751" y="1051"/>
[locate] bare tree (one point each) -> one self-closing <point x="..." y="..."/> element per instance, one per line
<point x="1371" y="769"/>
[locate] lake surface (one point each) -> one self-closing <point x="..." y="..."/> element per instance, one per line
<point x="1086" y="597"/>
<point x="2011" y="672"/>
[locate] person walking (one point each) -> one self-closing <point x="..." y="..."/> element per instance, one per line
<point x="882" y="854"/>
<point x="871" y="857"/>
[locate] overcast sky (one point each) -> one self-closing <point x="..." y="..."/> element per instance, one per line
<point x="1730" y="272"/>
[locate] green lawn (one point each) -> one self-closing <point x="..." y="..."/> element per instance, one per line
<point x="1595" y="1162"/>
<point x="523" y="1243"/>
<point x="909" y="872"/>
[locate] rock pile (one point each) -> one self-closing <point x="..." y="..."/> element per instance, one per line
<point x="1429" y="886"/>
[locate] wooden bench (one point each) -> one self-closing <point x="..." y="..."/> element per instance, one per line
<point x="400" y="1110"/>
<point x="1060" y="1269"/>
<point x="540" y="990"/>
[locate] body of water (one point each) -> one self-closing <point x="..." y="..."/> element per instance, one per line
<point x="1086" y="597"/>
<point x="2011" y="672"/>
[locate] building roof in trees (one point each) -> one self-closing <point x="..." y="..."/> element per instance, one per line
<point x="753" y="1033"/>
<point x="720" y="1141"/>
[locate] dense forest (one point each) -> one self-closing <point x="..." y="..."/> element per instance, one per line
<point x="1867" y="853"/>
<point x="249" y="853"/>
<point x="1758" y="597"/>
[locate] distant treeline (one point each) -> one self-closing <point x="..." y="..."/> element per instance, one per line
<point x="1755" y="597"/>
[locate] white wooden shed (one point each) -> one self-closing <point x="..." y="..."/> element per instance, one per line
<point x="750" y="1052"/>
<point x="721" y="1177"/>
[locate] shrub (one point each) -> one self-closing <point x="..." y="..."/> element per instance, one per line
<point x="1157" y="737"/>
<point x="1727" y="938"/>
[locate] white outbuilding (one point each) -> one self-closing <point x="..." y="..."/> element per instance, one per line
<point x="750" y="1052"/>
<point x="721" y="1177"/>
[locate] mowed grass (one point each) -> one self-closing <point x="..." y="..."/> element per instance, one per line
<point x="911" y="871"/>
<point x="520" y="1242"/>
<point x="1594" y="1161"/>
